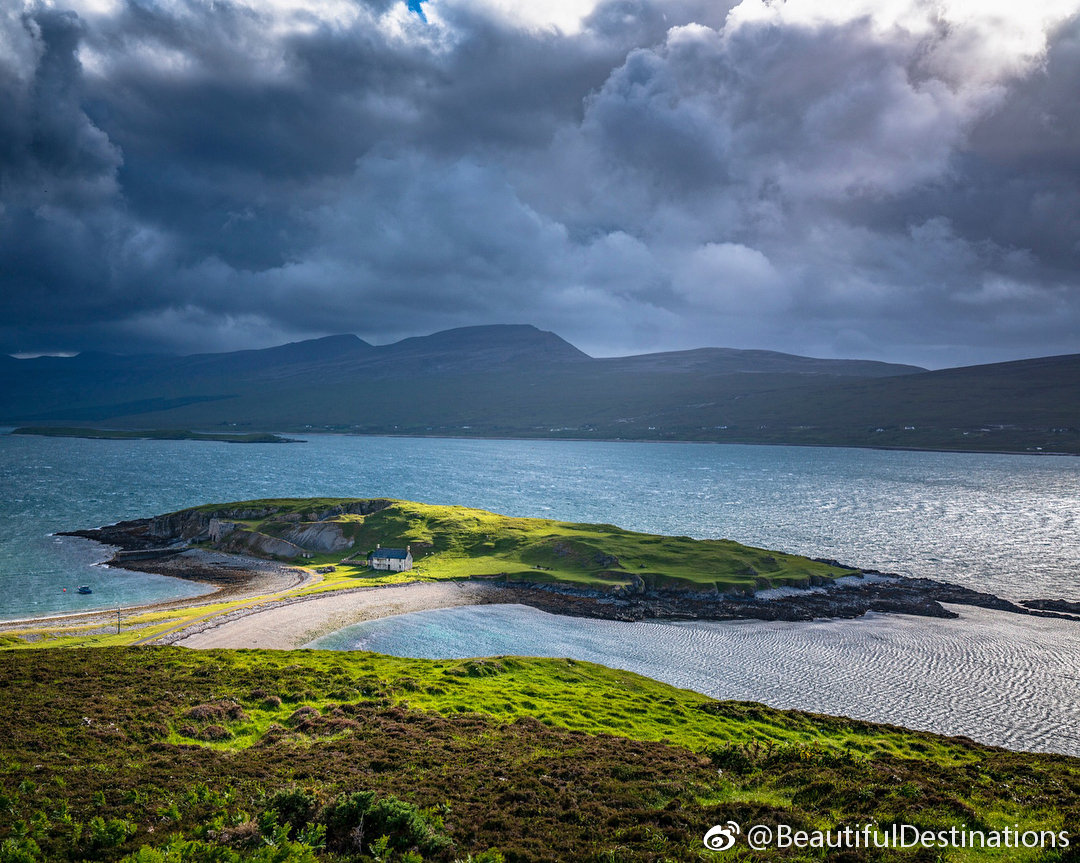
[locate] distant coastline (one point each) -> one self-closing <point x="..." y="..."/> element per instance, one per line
<point x="151" y="434"/>
<point x="672" y="440"/>
<point x="279" y="437"/>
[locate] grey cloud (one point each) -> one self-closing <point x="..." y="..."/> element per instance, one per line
<point x="852" y="180"/>
<point x="639" y="185"/>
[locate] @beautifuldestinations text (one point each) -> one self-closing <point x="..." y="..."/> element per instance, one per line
<point x="759" y="837"/>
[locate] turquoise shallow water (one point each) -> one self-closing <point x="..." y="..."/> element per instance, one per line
<point x="1002" y="523"/>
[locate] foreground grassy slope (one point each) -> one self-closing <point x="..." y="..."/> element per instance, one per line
<point x="116" y="754"/>
<point x="458" y="542"/>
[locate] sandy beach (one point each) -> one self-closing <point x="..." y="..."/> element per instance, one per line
<point x="269" y="615"/>
<point x="291" y="623"/>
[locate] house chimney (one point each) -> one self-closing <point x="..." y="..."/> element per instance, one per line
<point x="408" y="549"/>
<point x="377" y="545"/>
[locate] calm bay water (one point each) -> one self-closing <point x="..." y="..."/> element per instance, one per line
<point x="1007" y="524"/>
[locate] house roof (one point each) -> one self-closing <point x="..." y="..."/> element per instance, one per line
<point x="396" y="553"/>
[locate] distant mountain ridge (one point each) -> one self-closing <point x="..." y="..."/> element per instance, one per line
<point x="470" y="346"/>
<point x="733" y="360"/>
<point x="517" y="380"/>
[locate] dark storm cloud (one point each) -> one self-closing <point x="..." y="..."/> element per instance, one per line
<point x="51" y="150"/>
<point x="184" y="176"/>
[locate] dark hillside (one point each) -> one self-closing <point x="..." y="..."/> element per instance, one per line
<point x="523" y="382"/>
<point x="714" y="361"/>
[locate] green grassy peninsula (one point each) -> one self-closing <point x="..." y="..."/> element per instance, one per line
<point x="316" y="546"/>
<point x="460" y="542"/>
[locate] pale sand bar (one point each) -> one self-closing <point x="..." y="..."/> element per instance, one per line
<point x="291" y="623"/>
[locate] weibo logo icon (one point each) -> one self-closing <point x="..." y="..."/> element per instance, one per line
<point x="722" y="836"/>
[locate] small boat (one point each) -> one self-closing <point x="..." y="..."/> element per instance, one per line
<point x="85" y="588"/>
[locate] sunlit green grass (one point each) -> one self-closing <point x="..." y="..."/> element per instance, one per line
<point x="579" y="696"/>
<point x="451" y="542"/>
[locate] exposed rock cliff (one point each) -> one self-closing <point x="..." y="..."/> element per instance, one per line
<point x="244" y="541"/>
<point x="323" y="536"/>
<point x="193" y="525"/>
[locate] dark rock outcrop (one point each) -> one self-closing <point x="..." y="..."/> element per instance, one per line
<point x="1061" y="606"/>
<point x="887" y="594"/>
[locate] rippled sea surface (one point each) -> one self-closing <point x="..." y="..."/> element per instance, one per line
<point x="999" y="678"/>
<point x="1007" y="524"/>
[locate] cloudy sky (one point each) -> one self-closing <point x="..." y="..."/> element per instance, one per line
<point x="892" y="179"/>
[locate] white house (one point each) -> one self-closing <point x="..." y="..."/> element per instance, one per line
<point x="392" y="559"/>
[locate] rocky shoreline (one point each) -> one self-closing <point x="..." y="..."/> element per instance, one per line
<point x="160" y="546"/>
<point x="235" y="576"/>
<point x="884" y="594"/>
<point x="128" y="536"/>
